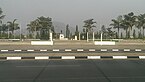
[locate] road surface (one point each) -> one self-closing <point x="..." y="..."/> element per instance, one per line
<point x="72" y="71"/>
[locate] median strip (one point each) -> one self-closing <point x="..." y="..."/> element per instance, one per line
<point x="75" y="50"/>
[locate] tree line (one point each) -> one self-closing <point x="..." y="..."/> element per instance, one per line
<point x="42" y="26"/>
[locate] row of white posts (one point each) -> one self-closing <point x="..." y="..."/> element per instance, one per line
<point x="93" y="37"/>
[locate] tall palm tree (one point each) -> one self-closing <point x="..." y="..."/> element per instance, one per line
<point x="3" y="29"/>
<point x="33" y="27"/>
<point x="140" y="23"/>
<point x="1" y="16"/>
<point x="129" y="21"/>
<point x="117" y="23"/>
<point x="12" y="26"/>
<point x="46" y="26"/>
<point x="89" y="24"/>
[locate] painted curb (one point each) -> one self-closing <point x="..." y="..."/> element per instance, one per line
<point x="72" y="57"/>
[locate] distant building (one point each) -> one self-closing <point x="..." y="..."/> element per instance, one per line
<point x="61" y="37"/>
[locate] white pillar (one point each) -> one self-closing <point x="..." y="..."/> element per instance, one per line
<point x="87" y="37"/>
<point x="93" y="36"/>
<point x="20" y="34"/>
<point x="101" y="37"/>
<point x="50" y="36"/>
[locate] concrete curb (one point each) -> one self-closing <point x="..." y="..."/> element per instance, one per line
<point x="76" y="50"/>
<point x="72" y="57"/>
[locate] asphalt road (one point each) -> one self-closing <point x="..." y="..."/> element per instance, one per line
<point x="72" y="71"/>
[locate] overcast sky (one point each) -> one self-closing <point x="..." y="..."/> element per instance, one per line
<point x="72" y="12"/>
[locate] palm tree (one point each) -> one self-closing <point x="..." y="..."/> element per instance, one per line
<point x="33" y="27"/>
<point x="140" y="23"/>
<point x="129" y="21"/>
<point x="13" y="26"/>
<point x="46" y="26"/>
<point x="89" y="24"/>
<point x="3" y="29"/>
<point x="1" y="16"/>
<point x="43" y="25"/>
<point x="117" y="23"/>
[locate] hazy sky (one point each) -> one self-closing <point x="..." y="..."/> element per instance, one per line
<point x="72" y="12"/>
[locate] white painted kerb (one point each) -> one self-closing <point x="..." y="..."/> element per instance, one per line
<point x="41" y="57"/>
<point x="94" y="57"/>
<point x="119" y="57"/>
<point x="41" y="42"/>
<point x="141" y="57"/>
<point x="68" y="57"/>
<point x="13" y="58"/>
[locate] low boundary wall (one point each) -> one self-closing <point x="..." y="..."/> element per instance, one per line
<point x="104" y="43"/>
<point x="41" y="42"/>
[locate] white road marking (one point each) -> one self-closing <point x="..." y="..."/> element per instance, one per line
<point x="4" y="50"/>
<point x="80" y="50"/>
<point x="103" y="50"/>
<point x="55" y="50"/>
<point x="94" y="57"/>
<point x="68" y="50"/>
<point x="68" y="57"/>
<point x="119" y="57"/>
<point x="138" y="50"/>
<point x="13" y="58"/>
<point x="126" y="50"/>
<point x="115" y="50"/>
<point x="43" y="50"/>
<point x="17" y="50"/>
<point x="41" y="57"/>
<point x="141" y="57"/>
<point x="92" y="50"/>
<point x="30" y="50"/>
